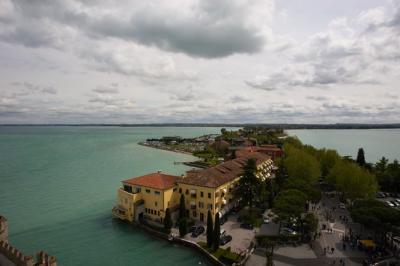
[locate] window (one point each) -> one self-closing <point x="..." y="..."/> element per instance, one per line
<point x="128" y="188"/>
<point x="201" y="205"/>
<point x="180" y="190"/>
<point x="209" y="195"/>
<point x="209" y="206"/>
<point x="157" y="192"/>
<point x="201" y="194"/>
<point x="216" y="206"/>
<point x="158" y="213"/>
<point x="146" y="210"/>
<point x="194" y="214"/>
<point x="151" y="211"/>
<point x="155" y="203"/>
<point x="147" y="190"/>
<point x="187" y="191"/>
<point x="174" y="189"/>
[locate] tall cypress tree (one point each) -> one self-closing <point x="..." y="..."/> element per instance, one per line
<point x="167" y="221"/>
<point x="217" y="232"/>
<point x="182" y="221"/>
<point x="209" y="229"/>
<point x="361" y="157"/>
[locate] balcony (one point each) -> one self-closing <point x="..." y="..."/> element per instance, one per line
<point x="120" y="212"/>
<point x="132" y="197"/>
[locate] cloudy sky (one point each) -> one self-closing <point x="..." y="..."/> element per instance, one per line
<point x="283" y="61"/>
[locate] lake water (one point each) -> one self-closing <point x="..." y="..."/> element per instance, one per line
<point x="375" y="142"/>
<point x="59" y="184"/>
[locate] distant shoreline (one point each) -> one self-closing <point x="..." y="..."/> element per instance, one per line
<point x="272" y="126"/>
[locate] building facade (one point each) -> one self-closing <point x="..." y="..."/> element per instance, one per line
<point x="208" y="189"/>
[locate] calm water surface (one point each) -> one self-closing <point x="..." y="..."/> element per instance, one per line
<point x="58" y="185"/>
<point x="375" y="142"/>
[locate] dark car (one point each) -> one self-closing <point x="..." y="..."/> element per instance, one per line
<point x="198" y="231"/>
<point x="246" y="226"/>
<point x="225" y="239"/>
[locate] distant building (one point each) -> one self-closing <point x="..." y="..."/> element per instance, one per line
<point x="271" y="150"/>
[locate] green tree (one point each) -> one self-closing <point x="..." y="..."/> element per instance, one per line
<point x="328" y="159"/>
<point x="209" y="229"/>
<point x="361" y="157"/>
<point x="167" y="221"/>
<point x="310" y="190"/>
<point x="353" y="181"/>
<point x="302" y="165"/>
<point x="217" y="232"/>
<point x="290" y="203"/>
<point x="310" y="224"/>
<point x="182" y="220"/>
<point x="248" y="185"/>
<point x="376" y="216"/>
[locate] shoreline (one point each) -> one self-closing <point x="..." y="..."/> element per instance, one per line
<point x="165" y="149"/>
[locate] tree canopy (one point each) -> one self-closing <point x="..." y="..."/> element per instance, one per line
<point x="302" y="165"/>
<point x="352" y="180"/>
<point x="290" y="203"/>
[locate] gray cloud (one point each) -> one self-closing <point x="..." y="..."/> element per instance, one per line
<point x="106" y="90"/>
<point x="208" y="29"/>
<point x="30" y="88"/>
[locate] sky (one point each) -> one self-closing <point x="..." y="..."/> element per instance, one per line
<point x="225" y="61"/>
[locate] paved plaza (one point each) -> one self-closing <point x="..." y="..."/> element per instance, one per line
<point x="315" y="254"/>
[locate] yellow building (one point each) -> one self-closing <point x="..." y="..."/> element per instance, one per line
<point x="147" y="197"/>
<point x="212" y="189"/>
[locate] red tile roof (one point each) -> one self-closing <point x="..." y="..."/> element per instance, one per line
<point x="222" y="173"/>
<point x="155" y="180"/>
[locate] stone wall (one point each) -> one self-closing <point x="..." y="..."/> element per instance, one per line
<point x="3" y="229"/>
<point x="17" y="257"/>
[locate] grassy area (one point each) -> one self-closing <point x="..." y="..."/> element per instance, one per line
<point x="224" y="255"/>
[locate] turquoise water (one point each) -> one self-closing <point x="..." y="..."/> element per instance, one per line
<point x="375" y="142"/>
<point x="58" y="185"/>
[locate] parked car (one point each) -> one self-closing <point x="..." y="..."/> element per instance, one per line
<point x="246" y="226"/>
<point x="380" y="195"/>
<point x="266" y="220"/>
<point x="198" y="231"/>
<point x="225" y="239"/>
<point x="288" y="231"/>
<point x="222" y="232"/>
<point x="395" y="203"/>
<point x="390" y="204"/>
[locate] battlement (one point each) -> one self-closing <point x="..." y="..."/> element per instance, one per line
<point x="3" y="229"/>
<point x="17" y="257"/>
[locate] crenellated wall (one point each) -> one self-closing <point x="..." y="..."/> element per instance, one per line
<point x="16" y="256"/>
<point x="3" y="229"/>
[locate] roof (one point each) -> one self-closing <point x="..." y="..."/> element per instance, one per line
<point x="155" y="180"/>
<point x="222" y="173"/>
<point x="247" y="151"/>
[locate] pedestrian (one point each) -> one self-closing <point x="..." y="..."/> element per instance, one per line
<point x="332" y="249"/>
